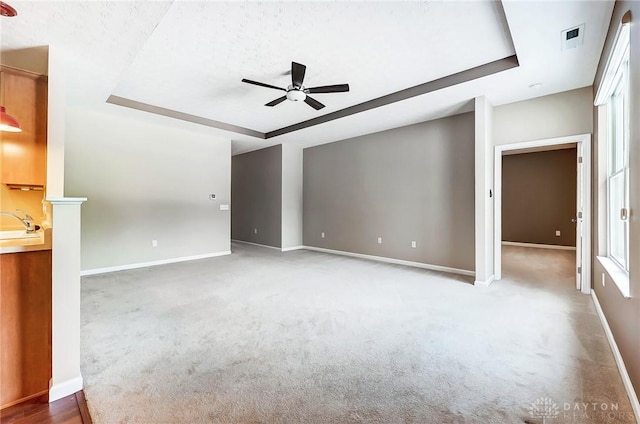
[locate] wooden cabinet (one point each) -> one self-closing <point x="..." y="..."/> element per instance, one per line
<point x="24" y="154"/>
<point x="25" y="326"/>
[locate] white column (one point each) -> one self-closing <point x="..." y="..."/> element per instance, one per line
<point x="292" y="158"/>
<point x="66" y="377"/>
<point x="484" y="192"/>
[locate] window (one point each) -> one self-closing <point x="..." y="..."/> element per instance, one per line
<point x="613" y="142"/>
<point x="618" y="166"/>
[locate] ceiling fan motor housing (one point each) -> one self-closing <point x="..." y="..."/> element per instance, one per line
<point x="295" y="94"/>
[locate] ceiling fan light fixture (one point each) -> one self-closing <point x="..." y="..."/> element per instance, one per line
<point x="296" y="95"/>
<point x="6" y="10"/>
<point x="7" y="122"/>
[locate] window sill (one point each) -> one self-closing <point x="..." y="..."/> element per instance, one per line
<point x="617" y="274"/>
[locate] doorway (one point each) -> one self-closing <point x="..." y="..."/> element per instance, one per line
<point x="583" y="201"/>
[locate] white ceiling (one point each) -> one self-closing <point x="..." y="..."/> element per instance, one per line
<point x="189" y="56"/>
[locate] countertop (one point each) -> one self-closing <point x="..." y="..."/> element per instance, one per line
<point x="27" y="244"/>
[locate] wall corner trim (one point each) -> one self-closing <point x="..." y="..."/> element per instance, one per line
<point x="626" y="380"/>
<point x="289" y="249"/>
<point x="105" y="270"/>
<point x="393" y="261"/>
<point x="487" y="283"/>
<point x="66" y="388"/>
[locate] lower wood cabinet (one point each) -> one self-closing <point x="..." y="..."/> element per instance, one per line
<point x="25" y="325"/>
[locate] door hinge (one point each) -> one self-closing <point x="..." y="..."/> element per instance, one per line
<point x="579" y="159"/>
<point x="579" y="270"/>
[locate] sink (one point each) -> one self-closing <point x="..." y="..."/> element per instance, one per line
<point x="17" y="234"/>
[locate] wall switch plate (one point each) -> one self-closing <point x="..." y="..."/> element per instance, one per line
<point x="154" y="243"/>
<point x="414" y="244"/>
<point x="379" y="240"/>
<point x="322" y="235"/>
<point x="557" y="233"/>
<point x="224" y="207"/>
<point x="255" y="231"/>
<point x="212" y="197"/>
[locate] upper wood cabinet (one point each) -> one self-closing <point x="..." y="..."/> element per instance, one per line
<point x="24" y="154"/>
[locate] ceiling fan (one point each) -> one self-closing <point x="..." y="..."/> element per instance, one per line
<point x="296" y="91"/>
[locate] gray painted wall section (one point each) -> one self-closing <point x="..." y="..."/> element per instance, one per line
<point x="256" y="193"/>
<point x="556" y="115"/>
<point x="291" y="196"/>
<point x="539" y="197"/>
<point x="146" y="179"/>
<point x="413" y="183"/>
<point x="623" y="315"/>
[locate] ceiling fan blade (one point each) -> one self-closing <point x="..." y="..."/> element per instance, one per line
<point x="277" y="101"/>
<point x="261" y="84"/>
<point x="338" y="88"/>
<point x="313" y="103"/>
<point x="297" y="74"/>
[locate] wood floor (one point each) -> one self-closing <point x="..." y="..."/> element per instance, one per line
<point x="68" y="410"/>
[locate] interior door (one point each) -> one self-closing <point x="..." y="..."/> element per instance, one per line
<point x="579" y="217"/>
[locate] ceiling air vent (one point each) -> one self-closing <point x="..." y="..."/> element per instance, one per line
<point x="572" y="37"/>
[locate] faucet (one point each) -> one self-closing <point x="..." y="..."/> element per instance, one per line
<point x="27" y="221"/>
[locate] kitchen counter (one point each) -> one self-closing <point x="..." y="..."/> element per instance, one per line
<point x="27" y="244"/>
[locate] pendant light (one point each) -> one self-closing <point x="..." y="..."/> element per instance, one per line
<point x="7" y="122"/>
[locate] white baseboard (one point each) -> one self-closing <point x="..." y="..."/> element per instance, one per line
<point x="152" y="263"/>
<point x="289" y="249"/>
<point x="393" y="261"/>
<point x="626" y="380"/>
<point x="66" y="388"/>
<point x="538" y="246"/>
<point x="487" y="283"/>
<point x="255" y="244"/>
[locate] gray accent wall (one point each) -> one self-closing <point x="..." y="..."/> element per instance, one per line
<point x="414" y="183"/>
<point x="623" y="315"/>
<point x="539" y="197"/>
<point x="256" y="193"/>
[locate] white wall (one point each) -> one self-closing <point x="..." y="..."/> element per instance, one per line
<point x="291" y="196"/>
<point x="147" y="178"/>
<point x="557" y="115"/>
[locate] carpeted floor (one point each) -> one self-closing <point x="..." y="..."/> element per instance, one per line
<point x="304" y="337"/>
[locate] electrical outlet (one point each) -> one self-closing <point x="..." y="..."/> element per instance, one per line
<point x="557" y="233"/>
<point x="322" y="235"/>
<point x="379" y="240"/>
<point x="255" y="231"/>
<point x="154" y="243"/>
<point x="414" y="244"/>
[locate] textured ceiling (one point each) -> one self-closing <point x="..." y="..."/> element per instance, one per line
<point x="189" y="56"/>
<point x="194" y="60"/>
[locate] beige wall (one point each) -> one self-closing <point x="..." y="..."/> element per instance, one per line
<point x="147" y="178"/>
<point x="623" y="315"/>
<point x="539" y="197"/>
<point x="414" y="183"/>
<point x="256" y="190"/>
<point x="556" y="115"/>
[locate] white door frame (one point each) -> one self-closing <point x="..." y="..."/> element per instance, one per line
<point x="584" y="143"/>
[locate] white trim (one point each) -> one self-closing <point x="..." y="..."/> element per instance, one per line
<point x="152" y="263"/>
<point x="289" y="249"/>
<point x="393" y="261"/>
<point x="66" y="200"/>
<point x="615" y="59"/>
<point x="487" y="283"/>
<point x="66" y="388"/>
<point x="255" y="244"/>
<point x="538" y="246"/>
<point x="583" y="140"/>
<point x="633" y="398"/>
<point x="619" y="276"/>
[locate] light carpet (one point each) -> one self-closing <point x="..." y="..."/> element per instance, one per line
<point x="262" y="336"/>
